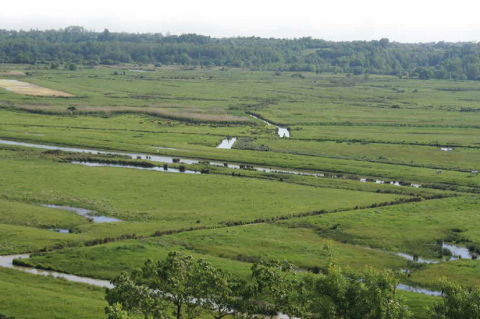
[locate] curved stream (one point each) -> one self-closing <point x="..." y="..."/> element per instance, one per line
<point x="84" y="212"/>
<point x="171" y="160"/>
<point x="7" y="262"/>
<point x="156" y="168"/>
<point x="457" y="252"/>
<point x="281" y="131"/>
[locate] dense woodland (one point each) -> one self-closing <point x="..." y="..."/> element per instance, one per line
<point x="76" y="45"/>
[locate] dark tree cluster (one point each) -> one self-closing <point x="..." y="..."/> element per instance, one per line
<point x="181" y="287"/>
<point x="76" y="45"/>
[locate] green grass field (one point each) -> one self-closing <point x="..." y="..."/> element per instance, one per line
<point x="347" y="128"/>
<point x="411" y="228"/>
<point x="29" y="296"/>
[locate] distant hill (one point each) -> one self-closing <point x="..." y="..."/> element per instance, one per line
<point x="74" y="44"/>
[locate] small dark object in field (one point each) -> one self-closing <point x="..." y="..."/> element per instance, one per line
<point x="298" y="75"/>
<point x="165" y="167"/>
<point x="141" y="122"/>
<point x="176" y="160"/>
<point x="182" y="168"/>
<point x="446" y="252"/>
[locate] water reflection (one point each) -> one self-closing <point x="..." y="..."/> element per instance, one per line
<point x="281" y="131"/>
<point x="227" y="143"/>
<point x="86" y="213"/>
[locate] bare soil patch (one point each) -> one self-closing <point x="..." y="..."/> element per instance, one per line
<point x="30" y="89"/>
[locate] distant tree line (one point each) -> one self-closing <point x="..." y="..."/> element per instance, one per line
<point x="77" y="45"/>
<point x="181" y="287"/>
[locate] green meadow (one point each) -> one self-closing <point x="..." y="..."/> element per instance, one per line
<point x="356" y="131"/>
<point x="29" y="296"/>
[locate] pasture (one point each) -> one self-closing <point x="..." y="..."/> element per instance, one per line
<point x="359" y="148"/>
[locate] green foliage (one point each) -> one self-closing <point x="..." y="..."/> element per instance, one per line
<point x="350" y="128"/>
<point x="151" y="290"/>
<point x="457" y="302"/>
<point x="276" y="289"/>
<point x="221" y="292"/>
<point x="188" y="287"/>
<point x="135" y="298"/>
<point x="440" y="60"/>
<point x="368" y="295"/>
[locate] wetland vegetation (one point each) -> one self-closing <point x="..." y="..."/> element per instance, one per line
<point x="346" y="175"/>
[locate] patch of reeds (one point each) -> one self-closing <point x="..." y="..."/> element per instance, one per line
<point x="186" y="116"/>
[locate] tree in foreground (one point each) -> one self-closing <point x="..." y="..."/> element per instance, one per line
<point x="157" y="289"/>
<point x="180" y="287"/>
<point x="338" y="293"/>
<point x="457" y="302"/>
<point x="276" y="289"/>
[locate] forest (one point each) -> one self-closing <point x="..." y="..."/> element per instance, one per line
<point x="76" y="45"/>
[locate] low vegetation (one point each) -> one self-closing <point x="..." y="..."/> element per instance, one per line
<point x="48" y="297"/>
<point x="394" y="158"/>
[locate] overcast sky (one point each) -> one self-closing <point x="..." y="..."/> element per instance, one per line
<point x="398" y="20"/>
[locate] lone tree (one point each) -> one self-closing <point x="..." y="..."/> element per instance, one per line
<point x="179" y="283"/>
<point x="155" y="288"/>
<point x="276" y="289"/>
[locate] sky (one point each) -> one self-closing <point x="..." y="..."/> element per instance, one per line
<point x="337" y="20"/>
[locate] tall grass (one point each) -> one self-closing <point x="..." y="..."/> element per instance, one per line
<point x="193" y="116"/>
